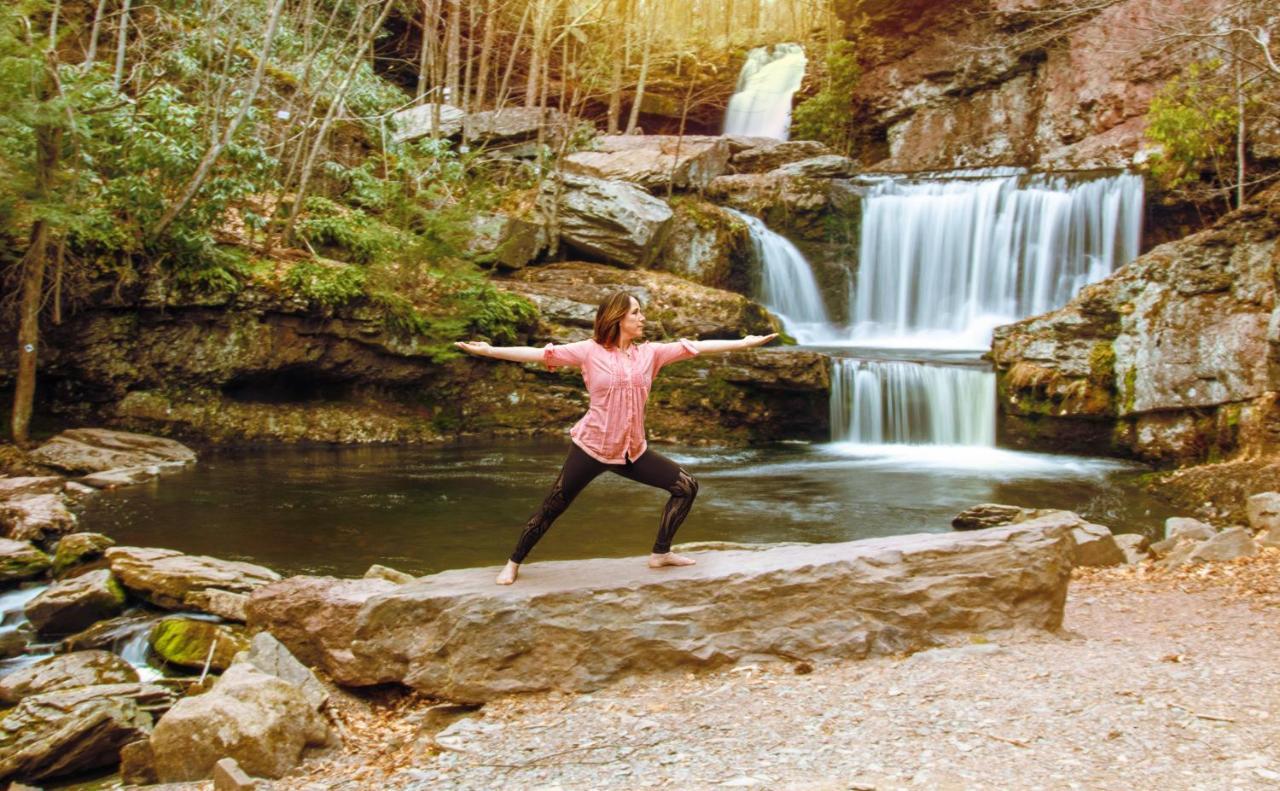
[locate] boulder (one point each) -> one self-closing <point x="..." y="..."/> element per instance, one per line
<point x="458" y="636"/>
<point x="513" y="125"/>
<point x="1229" y="544"/>
<point x="137" y="764"/>
<point x="215" y="601"/>
<point x="389" y="574"/>
<point x="769" y="156"/>
<point x="77" y="551"/>
<point x="986" y="515"/>
<point x="1095" y="546"/>
<point x="262" y="722"/>
<point x="24" y="485"/>
<point x="36" y="517"/>
<point x="65" y="671"/>
<point x="827" y="166"/>
<point x="1180" y="526"/>
<point x="228" y="776"/>
<point x="73" y="730"/>
<point x="315" y="617"/>
<point x="609" y="220"/>
<point x="710" y="245"/>
<point x="1134" y="547"/>
<point x="110" y="633"/>
<point x="85" y="450"/>
<point x="653" y="161"/>
<point x="70" y="605"/>
<point x="568" y="293"/>
<point x="505" y="242"/>
<point x="191" y="643"/>
<point x="21" y="560"/>
<point x="1263" y="511"/>
<point x="165" y="577"/>
<point x="419" y="121"/>
<point x="269" y="655"/>
<point x="125" y="476"/>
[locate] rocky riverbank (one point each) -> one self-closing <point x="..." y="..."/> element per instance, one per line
<point x="742" y="625"/>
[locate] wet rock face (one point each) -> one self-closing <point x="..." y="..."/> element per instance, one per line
<point x="96" y="450"/>
<point x="66" y="671"/>
<point x="74" y="604"/>
<point x="985" y="82"/>
<point x="609" y="220"/>
<point x="1173" y="358"/>
<point x="165" y="577"/>
<point x="615" y="618"/>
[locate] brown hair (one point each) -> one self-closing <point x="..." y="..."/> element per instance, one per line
<point x="613" y="309"/>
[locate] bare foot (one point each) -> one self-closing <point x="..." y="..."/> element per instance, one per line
<point x="657" y="561"/>
<point x="509" y="573"/>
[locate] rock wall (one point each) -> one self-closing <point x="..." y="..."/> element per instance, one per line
<point x="1053" y="84"/>
<point x="1174" y="358"/>
<point x="259" y="367"/>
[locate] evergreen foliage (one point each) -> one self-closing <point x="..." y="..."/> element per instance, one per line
<point x="827" y="116"/>
<point x="1193" y="119"/>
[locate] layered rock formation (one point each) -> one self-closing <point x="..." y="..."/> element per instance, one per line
<point x="1174" y="358"/>
<point x="581" y="624"/>
<point x="1050" y="83"/>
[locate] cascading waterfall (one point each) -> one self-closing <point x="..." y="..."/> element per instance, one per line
<point x="761" y="104"/>
<point x="787" y="285"/>
<point x="943" y="262"/>
<point x="909" y="403"/>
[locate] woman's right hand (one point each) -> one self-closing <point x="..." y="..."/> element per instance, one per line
<point x="478" y="348"/>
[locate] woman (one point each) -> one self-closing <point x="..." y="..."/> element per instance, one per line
<point x="618" y="371"/>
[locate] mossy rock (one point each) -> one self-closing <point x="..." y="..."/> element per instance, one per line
<point x="185" y="642"/>
<point x="21" y="560"/>
<point x="78" y="550"/>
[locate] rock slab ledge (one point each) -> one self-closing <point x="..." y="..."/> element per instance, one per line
<point x="578" y="625"/>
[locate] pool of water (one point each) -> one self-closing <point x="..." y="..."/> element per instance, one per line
<point x="427" y="509"/>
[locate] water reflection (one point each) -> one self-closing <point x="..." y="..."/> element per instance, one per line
<point x="339" y="510"/>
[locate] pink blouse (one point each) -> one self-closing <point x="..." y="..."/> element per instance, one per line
<point x="618" y="384"/>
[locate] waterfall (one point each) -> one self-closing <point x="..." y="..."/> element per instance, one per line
<point x="943" y="262"/>
<point x="761" y="104"/>
<point x="910" y="403"/>
<point x="787" y="286"/>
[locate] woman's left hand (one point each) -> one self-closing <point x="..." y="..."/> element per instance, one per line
<point x="758" y="340"/>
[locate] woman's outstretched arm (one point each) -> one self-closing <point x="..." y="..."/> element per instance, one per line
<point x="712" y="347"/>
<point x="517" y="354"/>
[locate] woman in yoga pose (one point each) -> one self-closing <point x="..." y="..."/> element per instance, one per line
<point x="618" y="369"/>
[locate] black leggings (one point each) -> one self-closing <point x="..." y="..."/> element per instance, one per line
<point x="651" y="469"/>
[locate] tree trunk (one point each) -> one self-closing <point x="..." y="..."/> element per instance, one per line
<point x="486" y="53"/>
<point x="93" y="34"/>
<point x="34" y="262"/>
<point x="1240" y="125"/>
<point x="122" y="39"/>
<point x="511" y="60"/>
<point x="453" y="56"/>
<point x="615" y="74"/>
<point x="466" y="64"/>
<point x="634" y="119"/>
<point x="426" y="54"/>
<point x="211" y="156"/>
<point x="533" y="80"/>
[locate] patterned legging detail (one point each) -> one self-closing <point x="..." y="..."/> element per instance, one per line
<point x="651" y="469"/>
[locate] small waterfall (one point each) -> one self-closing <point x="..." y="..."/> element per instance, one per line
<point x="787" y="286"/>
<point x="761" y="104"/>
<point x="910" y="403"/>
<point x="943" y="262"/>
<point x="134" y="650"/>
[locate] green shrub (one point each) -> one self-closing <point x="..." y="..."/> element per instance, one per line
<point x="326" y="285"/>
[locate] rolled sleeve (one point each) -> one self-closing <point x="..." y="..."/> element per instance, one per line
<point x="674" y="352"/>
<point x="560" y="355"/>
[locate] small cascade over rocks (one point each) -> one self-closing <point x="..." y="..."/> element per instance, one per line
<point x="787" y="286"/>
<point x="944" y="260"/>
<point x="761" y="104"/>
<point x="877" y="402"/>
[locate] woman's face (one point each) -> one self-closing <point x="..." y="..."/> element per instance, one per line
<point x="633" y="323"/>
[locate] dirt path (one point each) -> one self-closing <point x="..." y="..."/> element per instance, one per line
<point x="1159" y="681"/>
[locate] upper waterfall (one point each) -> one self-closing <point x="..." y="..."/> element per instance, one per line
<point x="943" y="262"/>
<point x="761" y="104"/>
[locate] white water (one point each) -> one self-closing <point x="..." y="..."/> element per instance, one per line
<point x="942" y="262"/>
<point x="787" y="286"/>
<point x="761" y="104"/>
<point x="909" y="403"/>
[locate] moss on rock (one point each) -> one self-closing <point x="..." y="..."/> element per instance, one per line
<point x="186" y="642"/>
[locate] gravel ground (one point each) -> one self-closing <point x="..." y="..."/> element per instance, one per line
<point x="1158" y="681"/>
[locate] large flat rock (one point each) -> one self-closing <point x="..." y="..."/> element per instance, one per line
<point x="577" y="625"/>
